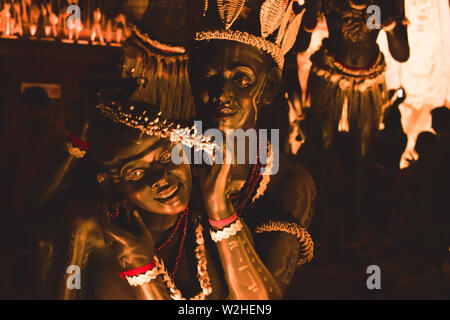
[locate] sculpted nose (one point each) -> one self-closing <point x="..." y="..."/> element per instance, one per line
<point x="226" y="94"/>
<point x="160" y="180"/>
<point x="155" y="178"/>
<point x="225" y="100"/>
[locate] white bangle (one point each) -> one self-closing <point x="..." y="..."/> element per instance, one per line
<point x="229" y="231"/>
<point x="75" y="151"/>
<point x="390" y="27"/>
<point x="143" y="278"/>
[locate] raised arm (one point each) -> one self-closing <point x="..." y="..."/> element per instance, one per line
<point x="249" y="275"/>
<point x="396" y="27"/>
<point x="298" y="194"/>
<point x="83" y="236"/>
<point x="87" y="234"/>
<point x="136" y="252"/>
<point x="309" y="23"/>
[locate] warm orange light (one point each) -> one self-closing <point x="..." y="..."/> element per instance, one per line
<point x="33" y="29"/>
<point x="10" y="28"/>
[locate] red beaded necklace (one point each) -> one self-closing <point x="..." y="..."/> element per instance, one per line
<point x="240" y="199"/>
<point x="184" y="217"/>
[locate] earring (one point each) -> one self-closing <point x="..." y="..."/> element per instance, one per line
<point x="101" y="177"/>
<point x="112" y="209"/>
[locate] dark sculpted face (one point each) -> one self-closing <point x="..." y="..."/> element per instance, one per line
<point x="231" y="81"/>
<point x="146" y="175"/>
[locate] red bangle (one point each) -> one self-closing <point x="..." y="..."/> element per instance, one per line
<point x="77" y="142"/>
<point x="137" y="271"/>
<point x="224" y="222"/>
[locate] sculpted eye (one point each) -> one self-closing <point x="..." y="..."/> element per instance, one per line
<point x="135" y="174"/>
<point x="208" y="74"/>
<point x="241" y="80"/>
<point x="165" y="157"/>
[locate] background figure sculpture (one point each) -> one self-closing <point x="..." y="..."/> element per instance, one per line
<point x="347" y="93"/>
<point x="346" y="83"/>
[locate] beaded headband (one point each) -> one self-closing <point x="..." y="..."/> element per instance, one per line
<point x="244" y="37"/>
<point x="156" y="126"/>
<point x="274" y="15"/>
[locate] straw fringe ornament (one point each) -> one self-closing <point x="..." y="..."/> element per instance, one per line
<point x="286" y="16"/>
<point x="306" y="244"/>
<point x="271" y="16"/>
<point x="229" y="11"/>
<point x="205" y="7"/>
<point x="291" y="33"/>
<point x="163" y="77"/>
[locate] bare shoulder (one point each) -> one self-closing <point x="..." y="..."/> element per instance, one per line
<point x="81" y="219"/>
<point x="295" y="189"/>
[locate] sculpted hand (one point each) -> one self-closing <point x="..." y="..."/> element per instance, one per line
<point x="400" y="96"/>
<point x="215" y="185"/>
<point x="131" y="251"/>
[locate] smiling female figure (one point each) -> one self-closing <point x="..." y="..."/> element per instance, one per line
<point x="148" y="227"/>
<point x="146" y="221"/>
<point x="151" y="229"/>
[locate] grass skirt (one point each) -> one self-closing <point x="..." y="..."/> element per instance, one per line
<point x="345" y="99"/>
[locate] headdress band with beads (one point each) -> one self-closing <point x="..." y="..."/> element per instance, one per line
<point x="279" y="26"/>
<point x="187" y="136"/>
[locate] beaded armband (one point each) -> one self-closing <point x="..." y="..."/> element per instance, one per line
<point x="304" y="238"/>
<point x="229" y="231"/>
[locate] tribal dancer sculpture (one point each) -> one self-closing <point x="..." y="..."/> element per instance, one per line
<point x="347" y="94"/>
<point x="235" y="71"/>
<point x="151" y="221"/>
<point x="347" y="80"/>
<point x="150" y="229"/>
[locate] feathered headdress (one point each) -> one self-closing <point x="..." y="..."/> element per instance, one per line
<point x="269" y="25"/>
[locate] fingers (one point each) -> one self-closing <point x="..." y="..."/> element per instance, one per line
<point x="202" y="173"/>
<point x="142" y="225"/>
<point x="223" y="171"/>
<point x="224" y="158"/>
<point x="227" y="156"/>
<point x="117" y="234"/>
<point x="217" y="176"/>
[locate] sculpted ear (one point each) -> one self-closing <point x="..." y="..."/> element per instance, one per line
<point x="271" y="86"/>
<point x="103" y="181"/>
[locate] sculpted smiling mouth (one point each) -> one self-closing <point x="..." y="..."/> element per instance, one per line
<point x="226" y="110"/>
<point x="168" y="193"/>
